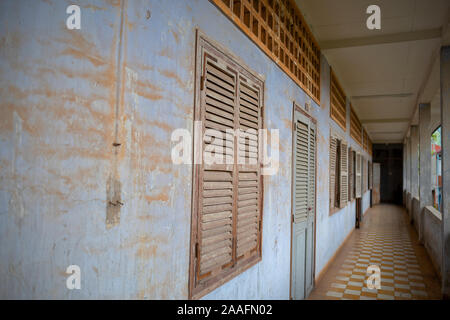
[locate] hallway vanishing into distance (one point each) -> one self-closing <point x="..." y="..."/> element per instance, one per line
<point x="386" y="239"/>
<point x="224" y="149"/>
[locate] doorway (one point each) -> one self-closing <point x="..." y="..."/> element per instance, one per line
<point x="303" y="205"/>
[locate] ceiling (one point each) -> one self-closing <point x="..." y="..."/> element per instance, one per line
<point x="383" y="72"/>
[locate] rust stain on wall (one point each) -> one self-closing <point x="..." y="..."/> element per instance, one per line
<point x="173" y="75"/>
<point x="176" y="37"/>
<point x="166" y="52"/>
<point x="79" y="54"/>
<point x="162" y="195"/>
<point x="148" y="90"/>
<point x="287" y="124"/>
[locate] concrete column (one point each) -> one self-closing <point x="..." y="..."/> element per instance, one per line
<point x="425" y="163"/>
<point x="445" y="135"/>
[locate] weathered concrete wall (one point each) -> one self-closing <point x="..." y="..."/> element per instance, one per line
<point x="66" y="97"/>
<point x="433" y="236"/>
<point x="408" y="203"/>
<point x="366" y="202"/>
<point x="127" y="78"/>
<point x="415" y="213"/>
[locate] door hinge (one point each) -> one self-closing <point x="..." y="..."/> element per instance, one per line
<point x="260" y="225"/>
<point x="196" y="250"/>
<point x="292" y="218"/>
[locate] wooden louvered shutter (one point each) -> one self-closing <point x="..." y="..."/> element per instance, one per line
<point x="333" y="148"/>
<point x="216" y="185"/>
<point x="350" y="174"/>
<point x="227" y="197"/>
<point x="370" y="175"/>
<point x="301" y="172"/>
<point x="344" y="176"/>
<point x="248" y="191"/>
<point x="358" y="176"/>
<point x="312" y="171"/>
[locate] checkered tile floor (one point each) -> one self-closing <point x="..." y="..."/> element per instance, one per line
<point x="388" y="247"/>
<point x="393" y="254"/>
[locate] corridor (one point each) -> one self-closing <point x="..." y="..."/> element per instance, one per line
<point x="219" y="150"/>
<point x="386" y="239"/>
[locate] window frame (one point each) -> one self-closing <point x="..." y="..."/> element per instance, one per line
<point x="197" y="289"/>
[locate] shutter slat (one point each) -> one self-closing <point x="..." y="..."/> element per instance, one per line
<point x="249" y="105"/>
<point x="244" y="248"/>
<point x="249" y="94"/>
<point x="215" y="246"/>
<point x="215" y="223"/>
<point x="217" y="176"/>
<point x="220" y="73"/>
<point x="216" y="216"/>
<point x="219" y="230"/>
<point x="218" y="104"/>
<point x="220" y="98"/>
<point x="248" y="111"/>
<point x="217" y="208"/>
<point x="218" y="112"/>
<point x="217" y="200"/>
<point x="219" y="90"/>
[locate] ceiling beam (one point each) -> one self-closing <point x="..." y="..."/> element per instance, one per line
<point x="398" y="120"/>
<point x="382" y="39"/>
<point x="387" y="95"/>
<point x="387" y="132"/>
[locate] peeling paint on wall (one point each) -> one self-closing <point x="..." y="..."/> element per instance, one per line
<point x="85" y="153"/>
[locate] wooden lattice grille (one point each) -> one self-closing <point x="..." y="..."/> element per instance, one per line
<point x="338" y="110"/>
<point x="279" y="29"/>
<point x="355" y="127"/>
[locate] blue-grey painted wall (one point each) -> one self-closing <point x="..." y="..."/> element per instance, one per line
<point x="127" y="77"/>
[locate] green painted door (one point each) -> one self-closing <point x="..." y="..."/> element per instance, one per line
<point x="304" y="173"/>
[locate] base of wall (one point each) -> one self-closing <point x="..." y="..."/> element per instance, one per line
<point x="328" y="264"/>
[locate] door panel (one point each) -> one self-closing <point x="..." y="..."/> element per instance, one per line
<point x="299" y="261"/>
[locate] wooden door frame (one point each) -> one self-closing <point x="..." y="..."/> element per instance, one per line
<point x="297" y="107"/>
